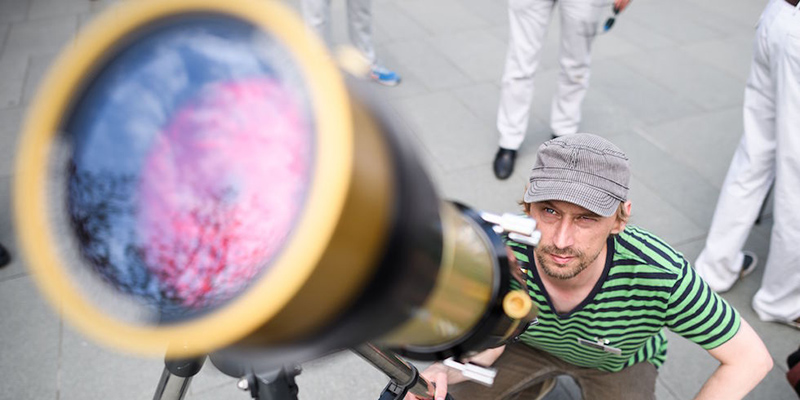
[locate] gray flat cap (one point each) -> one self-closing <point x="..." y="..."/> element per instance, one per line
<point x="582" y="169"/>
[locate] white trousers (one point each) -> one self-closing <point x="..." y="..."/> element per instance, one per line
<point x="528" y="20"/>
<point x="317" y="14"/>
<point x="768" y="151"/>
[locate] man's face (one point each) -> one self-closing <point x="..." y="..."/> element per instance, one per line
<point x="572" y="237"/>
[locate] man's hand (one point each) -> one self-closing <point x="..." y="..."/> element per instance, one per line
<point x="441" y="376"/>
<point x="621" y="4"/>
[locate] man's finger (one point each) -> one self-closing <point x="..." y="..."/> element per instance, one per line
<point x="441" y="386"/>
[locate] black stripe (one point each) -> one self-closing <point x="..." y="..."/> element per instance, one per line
<point x="685" y="319"/>
<point x="640" y="322"/>
<point x="686" y="290"/>
<point x="714" y="326"/>
<point x="707" y="318"/>
<point x="627" y="262"/>
<point x="642" y="275"/>
<point x="638" y="252"/>
<point x="638" y="317"/>
<point x="637" y="287"/>
<point x="634" y="297"/>
<point x="648" y="240"/>
<point x="545" y="330"/>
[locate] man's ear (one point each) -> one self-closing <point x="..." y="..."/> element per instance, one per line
<point x="620" y="223"/>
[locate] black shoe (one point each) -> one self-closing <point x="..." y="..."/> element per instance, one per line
<point x="5" y="258"/>
<point x="504" y="163"/>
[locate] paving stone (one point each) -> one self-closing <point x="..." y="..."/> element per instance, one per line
<point x="89" y="371"/>
<point x="674" y="182"/>
<point x="448" y="130"/>
<point x="639" y="33"/>
<point x="689" y="141"/>
<point x="56" y="8"/>
<point x="38" y="66"/>
<point x="13" y="10"/>
<point x="395" y="23"/>
<point x="692" y="80"/>
<point x="4" y="27"/>
<point x="442" y="16"/>
<point x="481" y="99"/>
<point x="478" y="53"/>
<point x="632" y="91"/>
<point x="432" y="68"/>
<point x="488" y="10"/>
<point x="30" y="334"/>
<point x="659" y="217"/>
<point x="732" y="54"/>
<point x="679" y="24"/>
<point x="10" y="123"/>
<point x="42" y="36"/>
<point x="13" y="71"/>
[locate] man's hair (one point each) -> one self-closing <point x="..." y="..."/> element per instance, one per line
<point x="622" y="213"/>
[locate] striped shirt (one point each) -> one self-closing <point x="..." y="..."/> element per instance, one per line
<point x="645" y="286"/>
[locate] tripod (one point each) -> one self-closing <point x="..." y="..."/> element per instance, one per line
<point x="279" y="383"/>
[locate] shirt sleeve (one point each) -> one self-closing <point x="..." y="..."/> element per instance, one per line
<point x="698" y="313"/>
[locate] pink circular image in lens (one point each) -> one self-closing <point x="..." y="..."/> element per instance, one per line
<point x="221" y="188"/>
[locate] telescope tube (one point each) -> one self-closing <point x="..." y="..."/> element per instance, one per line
<point x="199" y="175"/>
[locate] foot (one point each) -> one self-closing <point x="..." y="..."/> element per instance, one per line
<point x="504" y="163"/>
<point x="5" y="258"/>
<point x="384" y="76"/>
<point x="749" y="264"/>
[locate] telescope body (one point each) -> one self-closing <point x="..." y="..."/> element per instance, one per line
<point x="200" y="176"/>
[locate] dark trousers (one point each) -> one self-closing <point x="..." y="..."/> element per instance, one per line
<point x="521" y="368"/>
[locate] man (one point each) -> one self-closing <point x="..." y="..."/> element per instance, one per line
<point x="528" y="21"/>
<point x="768" y="152"/>
<point x="317" y="14"/>
<point x="605" y="291"/>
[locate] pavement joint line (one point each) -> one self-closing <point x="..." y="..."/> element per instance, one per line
<point x="13" y="277"/>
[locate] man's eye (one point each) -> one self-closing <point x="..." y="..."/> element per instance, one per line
<point x="549" y="211"/>
<point x="588" y="219"/>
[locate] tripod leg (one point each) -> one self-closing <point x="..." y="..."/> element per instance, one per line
<point x="176" y="378"/>
<point x="273" y="385"/>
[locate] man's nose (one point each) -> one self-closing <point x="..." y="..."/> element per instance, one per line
<point x="563" y="237"/>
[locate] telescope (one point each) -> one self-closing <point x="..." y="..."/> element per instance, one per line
<point x="200" y="177"/>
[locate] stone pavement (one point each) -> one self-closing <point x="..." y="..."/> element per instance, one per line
<point x="667" y="86"/>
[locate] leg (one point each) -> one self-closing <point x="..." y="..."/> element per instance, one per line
<point x="317" y="14"/>
<point x="580" y="21"/>
<point x="519" y="368"/>
<point x="359" y="27"/>
<point x="749" y="177"/>
<point x="635" y="382"/>
<point x="779" y="295"/>
<point x="528" y="20"/>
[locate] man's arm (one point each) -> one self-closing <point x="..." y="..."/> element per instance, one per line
<point x="442" y="376"/>
<point x="744" y="362"/>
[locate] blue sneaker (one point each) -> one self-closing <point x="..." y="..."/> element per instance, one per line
<point x="384" y="76"/>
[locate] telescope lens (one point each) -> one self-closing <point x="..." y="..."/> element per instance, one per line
<point x="189" y="157"/>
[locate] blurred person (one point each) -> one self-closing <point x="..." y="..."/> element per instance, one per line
<point x="605" y="291"/>
<point x="528" y="21"/>
<point x="317" y="14"/>
<point x="768" y="152"/>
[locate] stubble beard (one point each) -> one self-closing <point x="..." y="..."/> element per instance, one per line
<point x="563" y="273"/>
